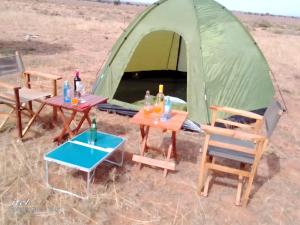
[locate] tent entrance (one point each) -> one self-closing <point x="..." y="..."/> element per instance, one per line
<point x="160" y="58"/>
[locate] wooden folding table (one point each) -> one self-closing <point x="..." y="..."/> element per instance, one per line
<point x="82" y="108"/>
<point x="147" y="121"/>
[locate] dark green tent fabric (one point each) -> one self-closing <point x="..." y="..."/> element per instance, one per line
<point x="224" y="65"/>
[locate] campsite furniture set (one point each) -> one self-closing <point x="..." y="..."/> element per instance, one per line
<point x="147" y="121"/>
<point x="19" y="97"/>
<point x="81" y="109"/>
<point x="245" y="146"/>
<point x="78" y="154"/>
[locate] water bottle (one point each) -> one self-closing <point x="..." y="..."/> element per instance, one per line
<point x="167" y="110"/>
<point x="67" y="96"/>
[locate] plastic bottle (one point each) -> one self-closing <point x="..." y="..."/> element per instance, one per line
<point x="93" y="133"/>
<point x="159" y="103"/>
<point x="147" y="103"/>
<point x="67" y="96"/>
<point x="167" y="110"/>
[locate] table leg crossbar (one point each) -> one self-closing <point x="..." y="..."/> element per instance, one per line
<point x="164" y="164"/>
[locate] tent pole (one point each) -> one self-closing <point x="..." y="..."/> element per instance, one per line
<point x="170" y="50"/>
<point x="178" y="52"/>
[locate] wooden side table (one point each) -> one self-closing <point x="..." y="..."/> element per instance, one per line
<point x="82" y="108"/>
<point x="147" y="121"/>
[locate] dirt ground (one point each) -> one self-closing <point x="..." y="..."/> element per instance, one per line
<point x="60" y="36"/>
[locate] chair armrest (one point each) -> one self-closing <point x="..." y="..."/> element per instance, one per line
<point x="10" y="86"/>
<point x="237" y="112"/>
<point x="44" y="75"/>
<point x="232" y="133"/>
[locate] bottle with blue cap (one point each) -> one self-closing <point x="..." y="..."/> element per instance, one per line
<point x="67" y="95"/>
<point x="167" y="109"/>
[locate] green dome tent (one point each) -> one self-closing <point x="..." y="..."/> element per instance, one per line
<point x="197" y="49"/>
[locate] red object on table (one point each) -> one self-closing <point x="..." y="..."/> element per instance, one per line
<point x="151" y="120"/>
<point x="82" y="108"/>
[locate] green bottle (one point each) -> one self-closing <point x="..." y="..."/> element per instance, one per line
<point x="93" y="132"/>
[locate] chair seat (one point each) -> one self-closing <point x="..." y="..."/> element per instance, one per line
<point x="32" y="94"/>
<point x="231" y="154"/>
<point x="25" y="94"/>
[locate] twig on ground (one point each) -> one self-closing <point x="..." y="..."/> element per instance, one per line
<point x="83" y="215"/>
<point x="116" y="196"/>
<point x="175" y="217"/>
<point x="139" y="221"/>
<point x="10" y="185"/>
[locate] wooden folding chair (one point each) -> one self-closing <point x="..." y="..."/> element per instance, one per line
<point x="19" y="98"/>
<point x="244" y="147"/>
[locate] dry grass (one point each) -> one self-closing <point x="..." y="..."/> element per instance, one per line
<point x="79" y="34"/>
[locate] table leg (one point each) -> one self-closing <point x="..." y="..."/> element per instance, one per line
<point x="88" y="184"/>
<point x="66" y="124"/>
<point x="85" y="116"/>
<point x="144" y="135"/>
<point x="171" y="150"/>
<point x="47" y="174"/>
<point x="174" y="144"/>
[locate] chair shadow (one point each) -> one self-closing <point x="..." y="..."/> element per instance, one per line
<point x="273" y="165"/>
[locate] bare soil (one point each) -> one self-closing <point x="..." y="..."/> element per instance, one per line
<point x="60" y="36"/>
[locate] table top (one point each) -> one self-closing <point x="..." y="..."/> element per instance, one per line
<point x="90" y="101"/>
<point x="173" y="124"/>
<point x="77" y="153"/>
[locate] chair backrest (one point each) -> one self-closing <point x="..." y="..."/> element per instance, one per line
<point x="12" y="66"/>
<point x="272" y="116"/>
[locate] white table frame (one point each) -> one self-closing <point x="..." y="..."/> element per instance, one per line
<point x="90" y="172"/>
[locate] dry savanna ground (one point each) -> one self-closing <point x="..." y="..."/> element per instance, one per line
<point x="60" y="36"/>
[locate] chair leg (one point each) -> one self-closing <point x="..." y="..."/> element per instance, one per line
<point x="206" y="186"/>
<point x="203" y="172"/>
<point x="18" y="112"/>
<point x="247" y="192"/>
<point x="6" y="118"/>
<point x="32" y="119"/>
<point x="239" y="191"/>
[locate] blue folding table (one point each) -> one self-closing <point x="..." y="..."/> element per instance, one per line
<point x="78" y="154"/>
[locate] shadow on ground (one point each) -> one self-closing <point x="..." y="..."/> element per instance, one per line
<point x="32" y="47"/>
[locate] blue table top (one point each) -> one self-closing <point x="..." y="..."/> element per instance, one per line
<point x="76" y="153"/>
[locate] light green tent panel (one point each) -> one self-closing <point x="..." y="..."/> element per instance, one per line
<point x="223" y="63"/>
<point x="156" y="51"/>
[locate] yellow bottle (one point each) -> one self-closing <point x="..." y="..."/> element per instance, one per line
<point x="160" y="98"/>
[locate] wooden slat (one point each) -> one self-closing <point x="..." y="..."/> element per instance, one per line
<point x="232" y="133"/>
<point x="228" y="170"/>
<point x="241" y="125"/>
<point x="154" y="162"/>
<point x="237" y="112"/>
<point x="232" y="147"/>
<point x="44" y="75"/>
